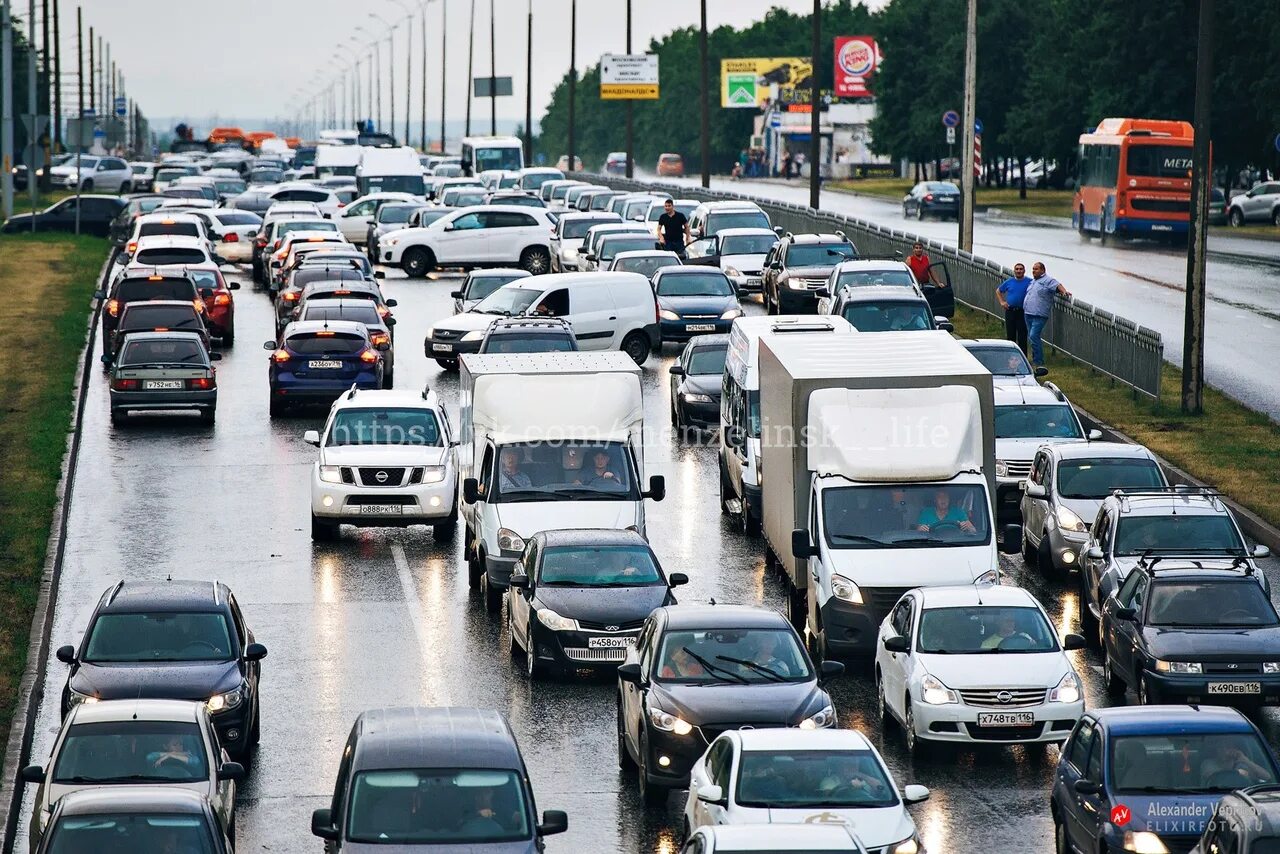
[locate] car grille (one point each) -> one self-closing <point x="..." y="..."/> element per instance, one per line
<point x="381" y="476"/>
<point x="1004" y="733"/>
<point x="1018" y="468"/>
<point x="577" y="653"/>
<point x="882" y="599"/>
<point x="711" y="732"/>
<point x="446" y="334"/>
<point x="700" y="317"/>
<point x="991" y="697"/>
<point x="381" y="499"/>
<point x="1231" y="667"/>
<point x="630" y="625"/>
<point x="814" y="283"/>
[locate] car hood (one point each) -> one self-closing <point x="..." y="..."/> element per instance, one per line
<point x="744" y="263"/>
<point x="1163" y="813"/>
<point x="523" y="847"/>
<point x="761" y="703"/>
<point x="160" y="680"/>
<point x="913" y="567"/>
<point x="68" y="171"/>
<point x="19" y="219"/>
<point x="716" y="305"/>
<point x="1024" y="449"/>
<point x="603" y="605"/>
<point x="468" y="321"/>
<point x="809" y="272"/>
<point x="874" y="826"/>
<point x="1214" y="644"/>
<point x="1085" y="508"/>
<point x="701" y="384"/>
<point x="997" y="670"/>
<point x="382" y="455"/>
<point x="527" y="518"/>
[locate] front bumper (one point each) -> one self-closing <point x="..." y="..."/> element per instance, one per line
<point x="797" y="300"/>
<point x="1194" y="688"/>
<point x="683" y="330"/>
<point x="233" y="727"/>
<point x="498" y="570"/>
<point x="383" y="506"/>
<point x="161" y="401"/>
<point x="1064" y="546"/>
<point x="572" y="650"/>
<point x="957" y="722"/>
<point x="681" y="751"/>
<point x="706" y="415"/>
<point x="448" y="348"/>
<point x="850" y="630"/>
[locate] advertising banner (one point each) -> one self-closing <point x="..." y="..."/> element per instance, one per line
<point x="857" y="58"/>
<point x="753" y="82"/>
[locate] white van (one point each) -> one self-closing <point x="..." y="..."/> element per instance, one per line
<point x="608" y="311"/>
<point x="483" y="153"/>
<point x="389" y="170"/>
<point x="336" y="159"/>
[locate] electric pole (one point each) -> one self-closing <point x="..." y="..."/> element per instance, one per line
<point x="56" y="118"/>
<point x="968" y="181"/>
<point x="706" y="106"/>
<point x="444" y="67"/>
<point x="471" y="51"/>
<point x="630" y="113"/>
<point x="423" y="135"/>
<point x="6" y="121"/>
<point x="33" y="112"/>
<point x="528" y="91"/>
<point x="573" y="80"/>
<point x="815" y="112"/>
<point x="493" y="73"/>
<point x="1201" y="180"/>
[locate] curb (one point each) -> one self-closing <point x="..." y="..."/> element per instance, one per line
<point x="31" y="688"/>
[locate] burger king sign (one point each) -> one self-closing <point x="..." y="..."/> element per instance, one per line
<point x="856" y="60"/>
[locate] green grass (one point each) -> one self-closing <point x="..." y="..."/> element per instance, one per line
<point x="22" y="200"/>
<point x="1230" y="446"/>
<point x="1037" y="202"/>
<point x="47" y="281"/>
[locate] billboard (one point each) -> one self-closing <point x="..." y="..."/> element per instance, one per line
<point x="629" y="76"/>
<point x="857" y="58"/>
<point x="751" y="83"/>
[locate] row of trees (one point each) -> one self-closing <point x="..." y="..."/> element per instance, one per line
<point x="1047" y="70"/>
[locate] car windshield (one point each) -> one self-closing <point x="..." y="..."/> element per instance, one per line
<point x="1191" y="763"/>
<point x="1225" y="603"/>
<point x="480" y="286"/>
<point x="888" y="316"/>
<point x="266" y="176"/>
<point x="89" y="833"/>
<point x="169" y="255"/>
<point x="1177" y="534"/>
<point x="645" y="265"/>
<point x="796" y="779"/>
<point x="160" y="636"/>
<point x="407" y="806"/>
<point x="1098" y="478"/>
<point x="395" y="213"/>
<point x="317" y="344"/>
<point x="598" y="566"/>
<point x="131" y="751"/>
<point x="186" y="229"/>
<point x="905" y="516"/>
<point x="985" y="630"/>
<point x="732" y="655"/>
<point x="410" y="426"/>
<point x="818" y="254"/>
<point x="508" y="301"/>
<point x="611" y="246"/>
<point x="747" y="244"/>
<point x="1037" y="421"/>
<point x="162" y="351"/>
<point x="168" y="173"/>
<point x="1001" y="361"/>
<point x="239" y="219"/>
<point x="682" y="284"/>
<point x="552" y="471"/>
<point x="131" y="290"/>
<point x="534" y="342"/>
<point x="705" y="361"/>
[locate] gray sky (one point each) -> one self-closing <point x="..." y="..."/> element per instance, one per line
<point x="240" y="59"/>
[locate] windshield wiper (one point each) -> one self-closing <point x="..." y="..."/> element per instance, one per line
<point x="132" y="778"/>
<point x="857" y="538"/>
<point x="759" y="668"/>
<point x="918" y="541"/>
<point x="713" y="670"/>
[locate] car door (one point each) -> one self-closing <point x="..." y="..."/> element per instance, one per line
<point x="1072" y="767"/>
<point x="894" y="674"/>
<point x="119" y="171"/>
<point x="224" y="796"/>
<point x="459" y="239"/>
<point x="1033" y="508"/>
<point x="354" y="221"/>
<point x="95" y="216"/>
<point x="941" y="298"/>
<point x="591" y="312"/>
<point x="1091" y="568"/>
<point x="719" y="763"/>
<point x="1125" y="636"/>
<point x="519" y="601"/>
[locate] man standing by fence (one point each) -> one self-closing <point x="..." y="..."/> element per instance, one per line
<point x="1037" y="306"/>
<point x="1011" y="294"/>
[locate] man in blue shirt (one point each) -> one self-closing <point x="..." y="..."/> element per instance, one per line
<point x="1037" y="305"/>
<point x="1011" y="293"/>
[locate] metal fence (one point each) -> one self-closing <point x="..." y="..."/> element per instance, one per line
<point x="1115" y="346"/>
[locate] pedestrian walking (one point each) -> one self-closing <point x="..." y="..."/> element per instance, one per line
<point x="786" y="165"/>
<point x="1011" y="293"/>
<point x="673" y="229"/>
<point x="1037" y="306"/>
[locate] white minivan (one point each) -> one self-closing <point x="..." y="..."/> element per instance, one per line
<point x="608" y="311"/>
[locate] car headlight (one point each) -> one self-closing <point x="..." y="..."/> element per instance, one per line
<point x="431" y="332"/>
<point x="225" y="702"/>
<point x="732" y="272"/>
<point x="1178" y="666"/>
<point x="1002" y="468"/>
<point x="432" y="474"/>
<point x="693" y="397"/>
<point x="76" y="698"/>
<point x="474" y="335"/>
<point x="1271" y="667"/>
<point x="668" y="722"/>
<point x="933" y="692"/>
<point x="1069" y="521"/>
<point x="907" y="846"/>
<point x="1143" y="842"/>
<point x="331" y="474"/>
<point x="668" y="315"/>
<point x="822" y="720"/>
<point x="845" y="590"/>
<point x="390" y="241"/>
<point x="730" y="314"/>
<point x="795" y="284"/>
<point x="555" y="622"/>
<point x="510" y="541"/>
<point x="1068" y="690"/>
<point x="991" y="576"/>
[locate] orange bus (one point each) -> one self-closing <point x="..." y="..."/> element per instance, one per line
<point x="1134" y="180"/>
<point x="225" y="134"/>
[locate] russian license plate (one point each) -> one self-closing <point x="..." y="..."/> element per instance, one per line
<point x="700" y="327"/>
<point x="1006" y="719"/>
<point x="442" y="348"/>
<point x="610" y="643"/>
<point x="162" y="385"/>
<point x="753" y="282"/>
<point x="1235" y="687"/>
<point x="324" y="363"/>
<point x="381" y="510"/>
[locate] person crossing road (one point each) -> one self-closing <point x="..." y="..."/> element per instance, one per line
<point x="673" y="228"/>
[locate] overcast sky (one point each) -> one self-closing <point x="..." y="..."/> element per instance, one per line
<point x="233" y="60"/>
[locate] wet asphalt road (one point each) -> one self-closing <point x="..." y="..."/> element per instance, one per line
<point x="384" y="617"/>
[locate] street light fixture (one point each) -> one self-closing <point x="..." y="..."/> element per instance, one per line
<point x="375" y="79"/>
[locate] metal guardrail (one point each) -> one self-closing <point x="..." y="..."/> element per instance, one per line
<point x="1115" y="346"/>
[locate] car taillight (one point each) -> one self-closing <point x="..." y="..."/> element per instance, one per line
<point x="199" y="304"/>
<point x="261" y="242"/>
<point x="275" y="245"/>
<point x="380" y="338"/>
<point x="280" y="356"/>
<point x="230" y="237"/>
<point x="222" y="299"/>
<point x="201" y="383"/>
<point x="133" y="245"/>
<point x="124" y="385"/>
<point x="113" y="307"/>
<point x="290" y="296"/>
<point x="928" y="197"/>
<point x="369" y="356"/>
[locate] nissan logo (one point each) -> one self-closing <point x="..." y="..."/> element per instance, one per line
<point x="1004" y="697"/>
<point x="380" y="477"/>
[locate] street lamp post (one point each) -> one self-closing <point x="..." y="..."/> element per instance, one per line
<point x="408" y="64"/>
<point x="444" y="66"/>
<point x="573" y="79"/>
<point x="391" y="72"/>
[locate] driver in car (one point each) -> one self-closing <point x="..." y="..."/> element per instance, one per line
<point x="1229" y="760"/>
<point x="174" y="752"/>
<point x="942" y="513"/>
<point x="1006" y="628"/>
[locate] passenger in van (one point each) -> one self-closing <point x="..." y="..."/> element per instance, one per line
<point x="942" y="513"/>
<point x="511" y="477"/>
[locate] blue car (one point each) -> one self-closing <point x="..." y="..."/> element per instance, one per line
<point x="316" y="360"/>
<point x="1147" y="778"/>
<point x="694" y="300"/>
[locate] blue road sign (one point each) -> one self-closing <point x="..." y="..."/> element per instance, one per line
<point x="977" y="126"/>
<point x="950" y="119"/>
<point x="122" y="106"/>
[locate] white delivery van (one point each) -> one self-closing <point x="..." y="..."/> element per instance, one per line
<point x="389" y="170"/>
<point x="548" y="441"/>
<point x="740" y="409"/>
<point x="878" y="464"/>
<point x="484" y="153"/>
<point x="338" y="159"/>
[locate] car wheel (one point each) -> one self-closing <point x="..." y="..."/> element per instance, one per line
<point x="748" y="523"/>
<point x="417" y="262"/>
<point x="492" y="595"/>
<point x="797" y="608"/>
<point x="475" y="569"/>
<point x="229" y="337"/>
<point x="532" y="669"/>
<point x="119" y="417"/>
<point x="905" y="213"/>
<point x="445" y="530"/>
<point x="1044" y="557"/>
<point x="87" y="186"/>
<point x="275" y="408"/>
<point x="207" y="416"/>
<point x="653" y="796"/>
<point x="1080" y="229"/>
<point x="724" y="491"/>
<point x="1060" y="845"/>
<point x="388" y="377"/>
<point x="625" y="762"/>
<point x="513" y="646"/>
<point x="1088" y="623"/>
<point x="1147" y="696"/>
<point x="255" y="734"/>
<point x="882" y="705"/>
<point x="636" y="345"/>
<point x="1236" y="217"/>
<point x="916" y="745"/>
<point x="1114" y="684"/>
<point x="1029" y="554"/>
<point x="536" y="260"/>
<point x="1275" y="217"/>
<point x="322" y="530"/>
<point x="919" y="213"/>
<point x="125" y="188"/>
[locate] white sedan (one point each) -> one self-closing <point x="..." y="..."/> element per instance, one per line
<point x="979" y="664"/>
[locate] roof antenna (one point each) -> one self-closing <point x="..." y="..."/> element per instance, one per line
<point x="169" y="577"/>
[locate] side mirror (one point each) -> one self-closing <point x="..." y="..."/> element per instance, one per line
<point x="829" y="669"/>
<point x="1094" y="553"/>
<point x="1261" y="551"/>
<point x="677" y="579"/>
<point x="1035" y="490"/>
<point x="822" y="293"/>
<point x="218" y="259"/>
<point x="312" y="437"/>
<point x="801" y="545"/>
<point x="379" y="274"/>
<point x="519" y="580"/>
<point x="322" y="824"/>
<point x="390" y="321"/>
<point x="32" y="774"/>
<point x="231" y="771"/>
<point x="1094" y="435"/>
<point x="233" y="286"/>
<point x="896" y="643"/>
<point x="1011" y="539"/>
<point x="915" y="793"/>
<point x="382" y="346"/>
<point x="255" y="652"/>
<point x="471" y="490"/>
<point x="1087" y="787"/>
<point x="710" y="794"/>
<point x="1073" y="641"/>
<point x="106" y="358"/>
<point x="392" y="303"/>
<point x="215" y="357"/>
<point x="676" y="371"/>
<point x="944" y="324"/>
<point x="268" y="345"/>
<point x="99" y="294"/>
<point x="66" y="654"/>
<point x="553" y="821"/>
<point x="590" y="256"/>
<point x="457" y="295"/>
<point x="629" y="672"/>
<point x="1129" y="615"/>
<point x="657" y="488"/>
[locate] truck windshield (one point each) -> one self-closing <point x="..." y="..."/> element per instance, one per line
<point x="392" y="184"/>
<point x="563" y="471"/>
<point x="905" y="516"/>
<point x="509" y="159"/>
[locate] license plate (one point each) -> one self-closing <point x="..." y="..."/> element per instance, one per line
<point x="1235" y="687"/>
<point x="159" y="385"/>
<point x="700" y="327"/>
<point x="610" y="643"/>
<point x="442" y="348"/>
<point x="1006" y="719"/>
<point x="753" y="282"/>
<point x="324" y="363"/>
<point x="381" y="510"/>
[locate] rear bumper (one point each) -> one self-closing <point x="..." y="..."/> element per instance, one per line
<point x="1150" y="227"/>
<point x="314" y="391"/>
<point x="161" y="401"/>
<point x="678" y="330"/>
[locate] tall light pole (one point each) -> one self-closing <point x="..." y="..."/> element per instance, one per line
<point x="630" y="112"/>
<point x="408" y="63"/>
<point x="815" y="116"/>
<point x="573" y="80"/>
<point x="355" y="82"/>
<point x="6" y="123"/>
<point x="493" y="72"/>
<point x="969" y="181"/>
<point x="1201" y="180"/>
<point x="444" y="66"/>
<point x="706" y="107"/>
<point x="471" y="52"/>
<point x="391" y="72"/>
<point x="528" y="93"/>
<point x="375" y="79"/>
<point x="423" y="135"/>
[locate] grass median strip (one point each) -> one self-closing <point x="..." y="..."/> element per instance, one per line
<point x="1230" y="446"/>
<point x="46" y="285"/>
<point x="1040" y="202"/>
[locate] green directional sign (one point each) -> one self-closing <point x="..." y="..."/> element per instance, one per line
<point x="741" y="90"/>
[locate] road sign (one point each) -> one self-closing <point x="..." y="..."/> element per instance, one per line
<point x="625" y="77"/>
<point x="122" y="106"/>
<point x="977" y="126"/>
<point x="88" y="112"/>
<point x="775" y="120"/>
<point x="951" y="119"/>
<point x="951" y="135"/>
<point x="489" y="87"/>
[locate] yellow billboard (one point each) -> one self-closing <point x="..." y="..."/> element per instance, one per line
<point x="753" y="82"/>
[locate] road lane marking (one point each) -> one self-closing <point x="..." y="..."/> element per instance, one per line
<point x="410" y="590"/>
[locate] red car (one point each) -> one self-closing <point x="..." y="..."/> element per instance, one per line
<point x="670" y="166"/>
<point x="215" y="290"/>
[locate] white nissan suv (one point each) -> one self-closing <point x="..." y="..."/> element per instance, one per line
<point x="480" y="236"/>
<point x="387" y="459"/>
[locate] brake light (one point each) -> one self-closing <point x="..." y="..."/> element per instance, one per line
<point x="315" y="240"/>
<point x="280" y="356"/>
<point x="928" y="197"/>
<point x="155" y="278"/>
<point x="341" y="292"/>
<point x="160" y="329"/>
<point x="113" y="307"/>
<point x="261" y="241"/>
<point x="369" y="356"/>
<point x="231" y="237"/>
<point x="124" y="385"/>
<point x="201" y="383"/>
<point x="290" y="296"/>
<point x="222" y="299"/>
<point x="199" y="304"/>
<point x="380" y="338"/>
<point x="275" y="245"/>
<point x="325" y="334"/>
<point x="132" y="247"/>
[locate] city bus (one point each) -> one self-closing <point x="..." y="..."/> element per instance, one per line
<point x="1134" y="180"/>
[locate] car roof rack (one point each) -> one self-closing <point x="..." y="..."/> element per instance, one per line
<point x="1180" y="490"/>
<point x="895" y="256"/>
<point x="1057" y="392"/>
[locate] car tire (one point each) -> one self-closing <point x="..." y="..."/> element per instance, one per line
<point x="207" y="416"/>
<point x="1029" y="554"/>
<point x="748" y="523"/>
<point x="492" y="595"/>
<point x="229" y="337"/>
<point x="532" y="669"/>
<point x="1080" y="229"/>
<point x="650" y="795"/>
<point x="475" y="569"/>
<point x="536" y="260"/>
<point x="275" y="408"/>
<point x="919" y="213"/>
<point x="625" y="762"/>
<point x="1235" y="218"/>
<point x="323" y="530"/>
<point x="1112" y="683"/>
<point x="119" y="417"/>
<point x="905" y="213"/>
<point x="1275" y="216"/>
<point x="797" y="607"/>
<point x="447" y="364"/>
<point x="87" y="186"/>
<point x="255" y="734"/>
<point x="445" y="530"/>
<point x="636" y="345"/>
<point x="1044" y="559"/>
<point x="513" y="646"/>
<point x="1088" y="623"/>
<point x="1060" y="845"/>
<point x="417" y="262"/>
<point x="916" y="746"/>
<point x="126" y="188"/>
<point x="1147" y="696"/>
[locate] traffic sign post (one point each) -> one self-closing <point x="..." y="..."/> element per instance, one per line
<point x="951" y="119"/>
<point x="630" y="77"/>
<point x="122" y="106"/>
<point x="951" y="136"/>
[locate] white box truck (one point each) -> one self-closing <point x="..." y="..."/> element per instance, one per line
<point x="389" y="170"/>
<point x="878" y="472"/>
<point x="547" y="441"/>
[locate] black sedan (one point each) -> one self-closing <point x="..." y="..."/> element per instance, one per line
<point x="578" y="597"/>
<point x="939" y="199"/>
<point x="696" y="381"/>
<point x="1175" y="632"/>
<point x="95" y="215"/>
<point x="697" y="671"/>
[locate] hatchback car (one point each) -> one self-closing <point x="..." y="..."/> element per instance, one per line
<point x="179" y="640"/>
<point x="696" y="382"/>
<point x="135" y="818"/>
<point x="139" y="286"/>
<point x="361" y="311"/>
<point x="156" y="316"/>
<point x="646" y="262"/>
<point x="939" y="199"/>
<point x="163" y="372"/>
<point x="1246" y="820"/>
<point x="317" y="360"/>
<point x="480" y="283"/>
<point x="529" y="335"/>
<point x="670" y="166"/>
<point x="694" y="300"/>
<point x="578" y="598"/>
<point x="1004" y="359"/>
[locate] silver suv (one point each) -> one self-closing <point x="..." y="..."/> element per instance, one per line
<point x="1181" y="522"/>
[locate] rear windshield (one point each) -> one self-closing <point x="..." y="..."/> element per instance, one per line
<point x="162" y="351"/>
<point x="266" y="176"/>
<point x="184" y="229"/>
<point x="341" y="293"/>
<point x="576" y="229"/>
<point x="305" y="225"/>
<point x="141" y="315"/>
<point x="888" y="316"/>
<point x="1002" y="361"/>
<point x="300" y="196"/>
<point x="239" y="219"/>
<point x="131" y="290"/>
<point x="818" y="254"/>
<point x="612" y="246"/>
<point x="717" y="222"/>
<point x="527" y="342"/>
<point x="331" y="310"/>
<point x="169" y="173"/>
<point x="315" y="344"/>
<point x="170" y="255"/>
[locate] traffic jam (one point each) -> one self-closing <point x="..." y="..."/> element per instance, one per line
<point x="448" y="503"/>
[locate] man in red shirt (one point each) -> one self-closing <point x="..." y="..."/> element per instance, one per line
<point x="919" y="264"/>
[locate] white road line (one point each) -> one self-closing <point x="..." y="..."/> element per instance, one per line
<point x="416" y="617"/>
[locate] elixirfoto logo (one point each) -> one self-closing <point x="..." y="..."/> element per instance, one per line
<point x="1120" y="815"/>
